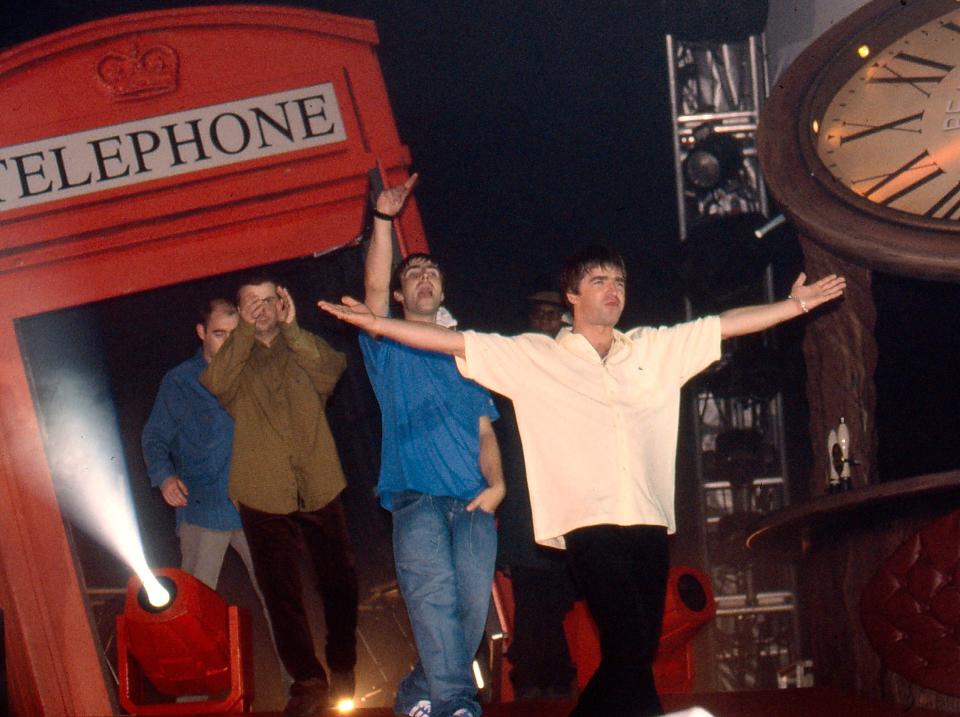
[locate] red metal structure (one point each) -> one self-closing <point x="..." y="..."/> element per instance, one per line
<point x="195" y="645"/>
<point x="688" y="606"/>
<point x="147" y="150"/>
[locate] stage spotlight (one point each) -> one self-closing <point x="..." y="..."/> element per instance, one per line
<point x="689" y="605"/>
<point x="478" y="675"/>
<point x="184" y="640"/>
<point x="714" y="159"/>
<point x="158" y="596"/>
<point x="345" y="706"/>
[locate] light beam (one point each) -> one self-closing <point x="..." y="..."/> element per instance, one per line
<point x="86" y="458"/>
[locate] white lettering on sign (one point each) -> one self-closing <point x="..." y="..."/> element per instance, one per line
<point x="157" y="147"/>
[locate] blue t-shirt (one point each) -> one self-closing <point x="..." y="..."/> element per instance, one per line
<point x="190" y="435"/>
<point x="431" y="421"/>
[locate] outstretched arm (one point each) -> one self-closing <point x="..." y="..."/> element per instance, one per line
<point x="379" y="263"/>
<point x="803" y="298"/>
<point x="418" y="334"/>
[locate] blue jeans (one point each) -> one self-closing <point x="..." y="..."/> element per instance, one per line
<point x="445" y="559"/>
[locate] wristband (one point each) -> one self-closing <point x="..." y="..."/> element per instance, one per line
<point x="380" y="215"/>
<point x="803" y="304"/>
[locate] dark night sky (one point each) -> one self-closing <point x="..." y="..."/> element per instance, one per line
<point x="537" y="126"/>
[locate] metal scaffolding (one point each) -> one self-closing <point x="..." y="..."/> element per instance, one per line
<point x="717" y="90"/>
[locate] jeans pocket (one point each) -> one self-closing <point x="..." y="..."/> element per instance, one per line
<point x="403" y="499"/>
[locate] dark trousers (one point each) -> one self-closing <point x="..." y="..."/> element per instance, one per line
<point x="622" y="574"/>
<point x="275" y="542"/>
<point x="538" y="649"/>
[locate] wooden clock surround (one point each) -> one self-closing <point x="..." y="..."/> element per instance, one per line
<point x="844" y="234"/>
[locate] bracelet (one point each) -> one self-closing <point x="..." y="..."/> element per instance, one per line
<point x="803" y="304"/>
<point x="380" y="215"/>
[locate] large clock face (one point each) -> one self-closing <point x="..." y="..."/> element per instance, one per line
<point x="890" y="134"/>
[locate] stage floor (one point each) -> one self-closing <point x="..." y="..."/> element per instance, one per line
<point x="760" y="703"/>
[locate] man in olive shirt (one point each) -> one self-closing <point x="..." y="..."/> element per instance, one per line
<point x="274" y="379"/>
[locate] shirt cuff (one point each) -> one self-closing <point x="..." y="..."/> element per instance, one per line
<point x="291" y="332"/>
<point x="463" y="364"/>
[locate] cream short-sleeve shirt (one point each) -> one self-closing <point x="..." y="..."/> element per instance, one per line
<point x="599" y="436"/>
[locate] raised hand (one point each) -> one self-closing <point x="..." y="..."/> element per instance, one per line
<point x="810" y="296"/>
<point x="286" y="309"/>
<point x="352" y="311"/>
<point x="390" y="200"/>
<point x="251" y="307"/>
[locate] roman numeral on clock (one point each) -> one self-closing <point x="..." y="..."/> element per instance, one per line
<point x="950" y="213"/>
<point x="917" y="169"/>
<point x="935" y="72"/>
<point x="896" y="124"/>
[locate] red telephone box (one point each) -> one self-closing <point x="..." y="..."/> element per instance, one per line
<point x="145" y="150"/>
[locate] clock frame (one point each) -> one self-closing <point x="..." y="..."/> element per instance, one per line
<point x="826" y="211"/>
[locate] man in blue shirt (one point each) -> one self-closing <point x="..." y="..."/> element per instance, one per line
<point x="440" y="476"/>
<point x="187" y="444"/>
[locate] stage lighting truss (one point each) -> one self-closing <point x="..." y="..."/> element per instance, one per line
<point x="716" y="93"/>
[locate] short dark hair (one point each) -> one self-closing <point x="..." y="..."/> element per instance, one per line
<point x="405" y="264"/>
<point x="210" y="305"/>
<point x="255" y="280"/>
<point x="590" y="257"/>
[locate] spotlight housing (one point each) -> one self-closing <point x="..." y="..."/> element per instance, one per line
<point x="195" y="644"/>
<point x="153" y="600"/>
<point x="714" y="159"/>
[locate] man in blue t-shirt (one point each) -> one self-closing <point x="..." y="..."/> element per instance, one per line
<point x="440" y="476"/>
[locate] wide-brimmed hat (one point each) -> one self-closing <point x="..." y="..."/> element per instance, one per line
<point x="546" y="297"/>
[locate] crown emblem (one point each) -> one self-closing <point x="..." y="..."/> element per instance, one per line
<point x="132" y="74"/>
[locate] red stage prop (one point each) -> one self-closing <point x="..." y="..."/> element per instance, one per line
<point x="689" y="605"/>
<point x="911" y="607"/>
<point x="146" y="150"/>
<point x="196" y="645"/>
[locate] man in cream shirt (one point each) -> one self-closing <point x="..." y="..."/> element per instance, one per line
<point x="598" y="414"/>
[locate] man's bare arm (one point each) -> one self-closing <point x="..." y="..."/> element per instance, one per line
<point x="491" y="467"/>
<point x="379" y="262"/>
<point x="418" y="334"/>
<point x="803" y="298"/>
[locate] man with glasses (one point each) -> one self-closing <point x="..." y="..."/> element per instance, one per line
<point x="274" y="378"/>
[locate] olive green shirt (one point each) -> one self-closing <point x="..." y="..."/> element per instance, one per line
<point x="284" y="458"/>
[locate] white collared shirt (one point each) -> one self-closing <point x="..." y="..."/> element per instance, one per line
<point x="599" y="435"/>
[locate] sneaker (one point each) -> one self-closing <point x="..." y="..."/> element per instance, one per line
<point x="421" y="709"/>
<point x="307" y="698"/>
<point x="342" y="686"/>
